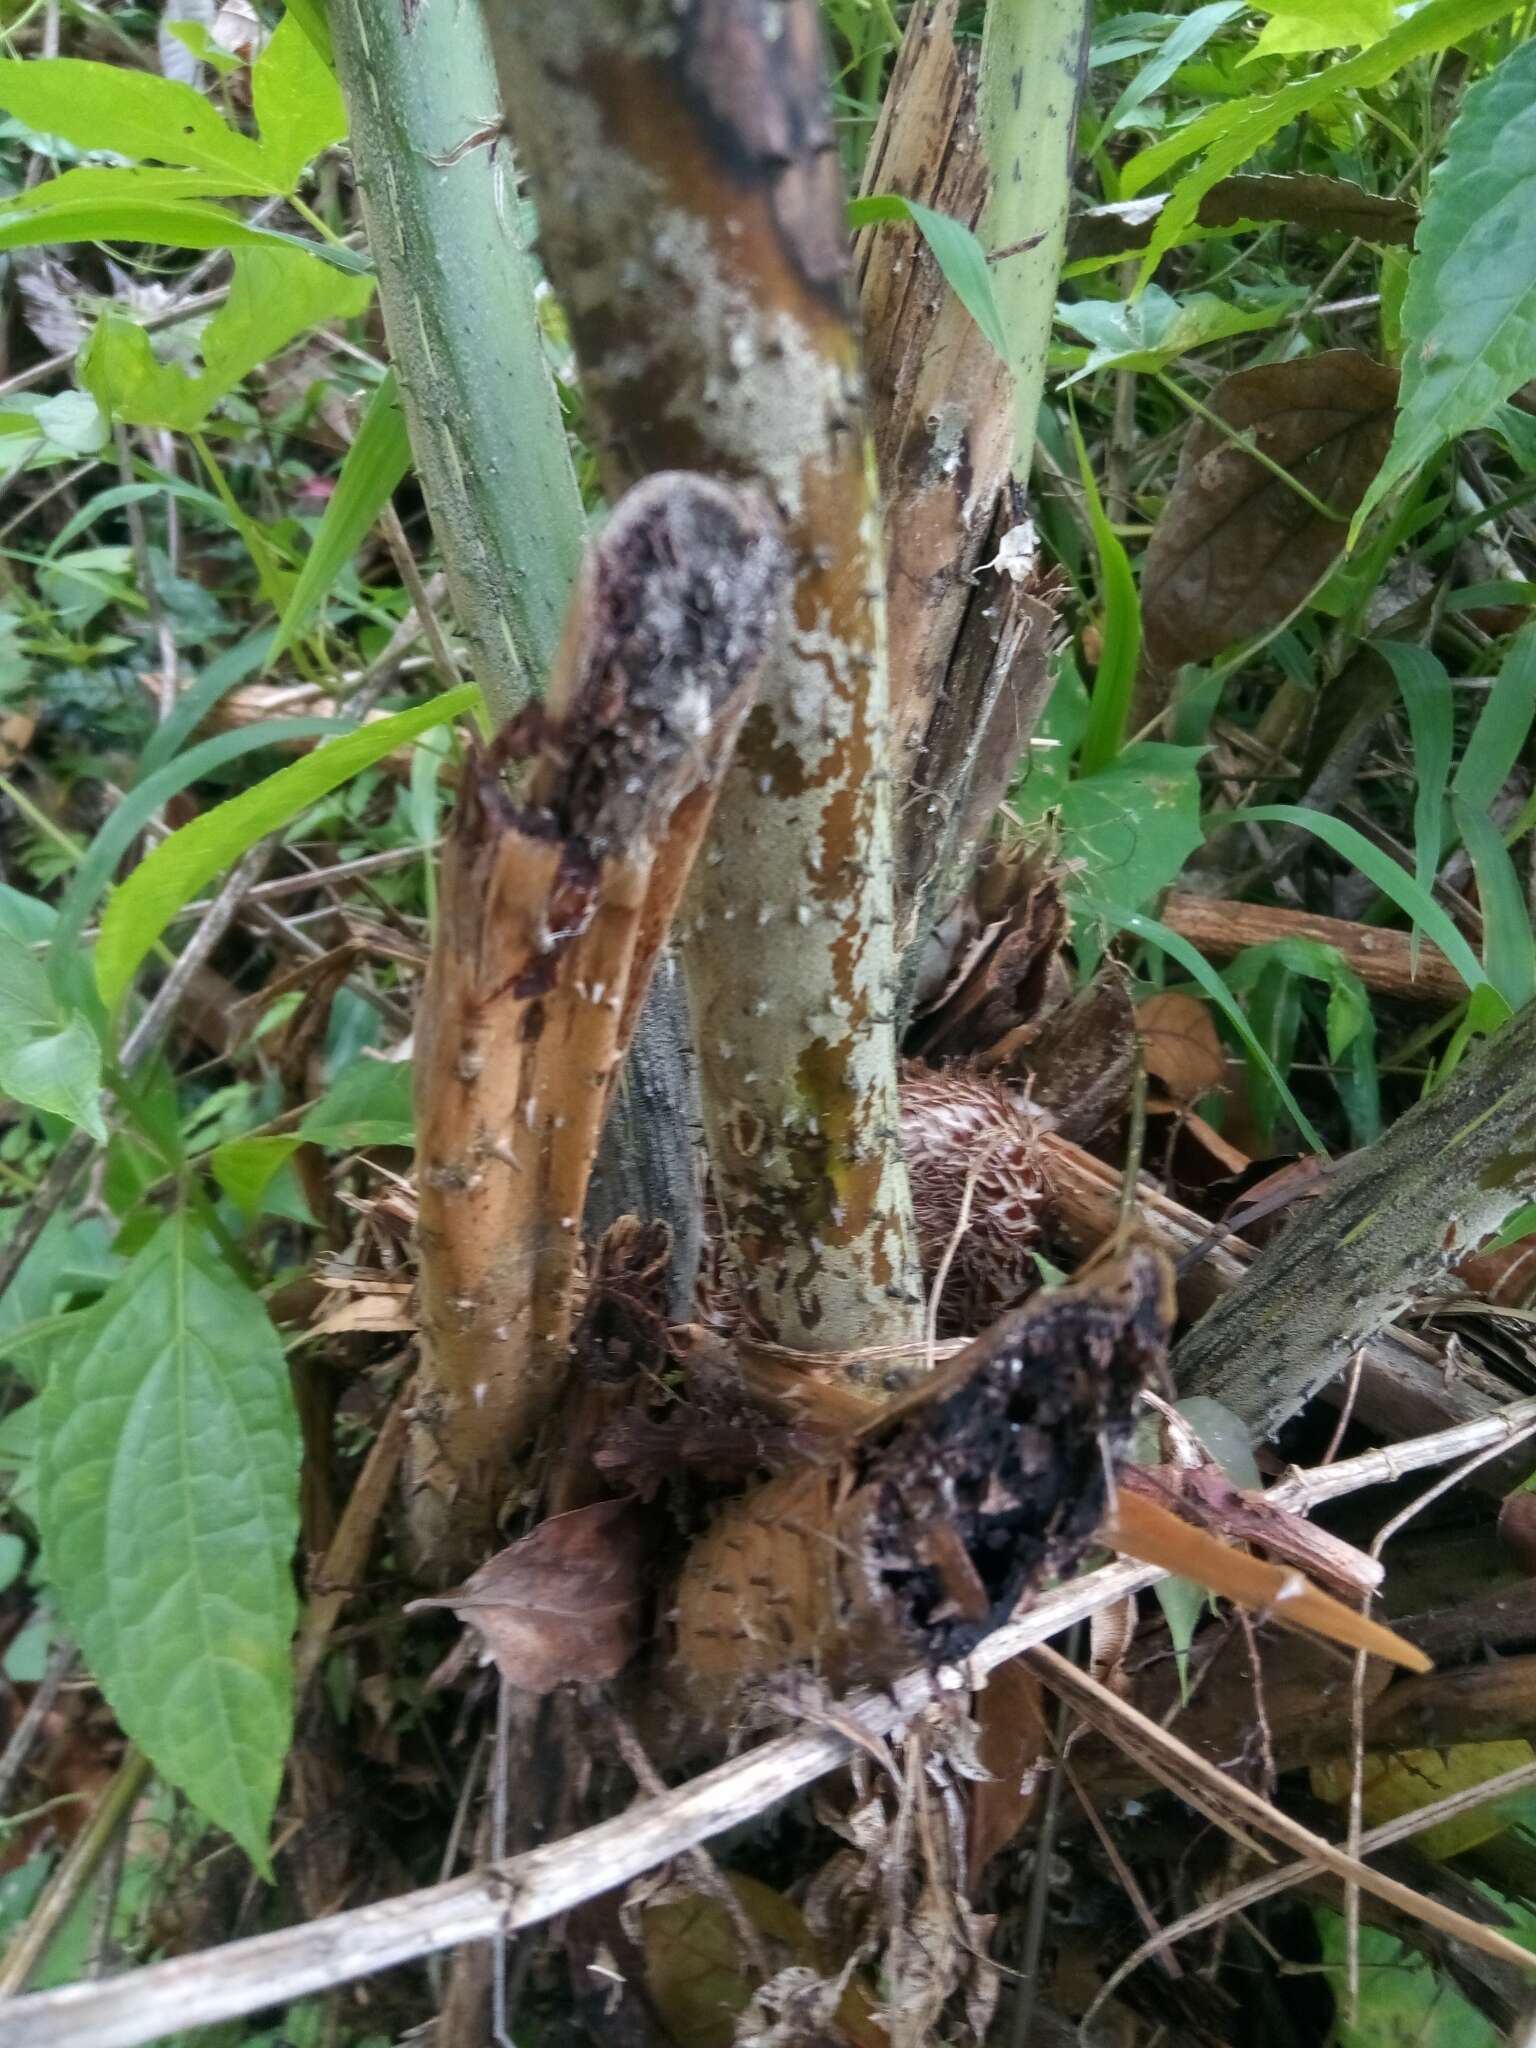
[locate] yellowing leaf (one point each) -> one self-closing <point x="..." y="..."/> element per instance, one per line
<point x="1322" y="25"/>
<point x="1414" y="1778"/>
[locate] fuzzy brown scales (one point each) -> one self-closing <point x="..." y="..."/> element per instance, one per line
<point x="691" y="208"/>
<point x="552" y="910"/>
<point x="945" y="1511"/>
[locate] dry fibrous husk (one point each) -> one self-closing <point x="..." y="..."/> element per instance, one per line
<point x="945" y="1509"/>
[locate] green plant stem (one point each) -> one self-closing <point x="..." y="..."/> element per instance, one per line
<point x="1033" y="59"/>
<point x="1249" y="445"/>
<point x="440" y="202"/>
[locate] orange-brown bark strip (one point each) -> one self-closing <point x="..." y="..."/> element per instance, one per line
<point x="552" y="909"/>
<point x="691" y="209"/>
<point x="940" y="395"/>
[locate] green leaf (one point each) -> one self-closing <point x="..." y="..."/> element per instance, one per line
<point x="1380" y="868"/>
<point x="130" y="814"/>
<point x="168" y="1491"/>
<point x="368" y="1104"/>
<point x="1182" y="1602"/>
<point x="1469" y="316"/>
<point x="1349" y="1021"/>
<point x="276" y="295"/>
<point x="376" y="461"/>
<point x="1231" y="133"/>
<point x="1199" y="969"/>
<point x="179" y="866"/>
<point x="1426" y="691"/>
<point x="1502" y="726"/>
<point x="49" y="1057"/>
<point x="956" y="250"/>
<point x="1187" y="38"/>
<point x="1321" y="25"/>
<point x="1146" y="333"/>
<point x="297" y="102"/>
<point x="131" y="113"/>
<point x="246" y="1167"/>
<point x="1133" y="825"/>
<point x="1115" y="682"/>
<point x="1509" y="948"/>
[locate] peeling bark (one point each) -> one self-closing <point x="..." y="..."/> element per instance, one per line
<point x="552" y="911"/>
<point x="691" y="206"/>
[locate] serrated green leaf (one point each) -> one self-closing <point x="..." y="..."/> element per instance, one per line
<point x="131" y="113"/>
<point x="296" y="100"/>
<point x="1469" y="314"/>
<point x="276" y="295"/>
<point x="1148" y="332"/>
<point x="168" y="1493"/>
<point x="368" y="1104"/>
<point x="49" y="1057"/>
<point x="956" y="250"/>
<point x="378" y="458"/>
<point x="141" y="909"/>
<point x="1231" y="133"/>
<point x="1321" y="25"/>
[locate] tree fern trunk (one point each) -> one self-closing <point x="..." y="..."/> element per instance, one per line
<point x="691" y="210"/>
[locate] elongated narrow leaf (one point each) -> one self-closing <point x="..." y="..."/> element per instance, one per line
<point x="376" y="461"/>
<point x="168" y="1490"/>
<point x="1469" y="317"/>
<point x="1186" y="39"/>
<point x="1426" y="690"/>
<point x="1229" y="134"/>
<point x="1509" y="949"/>
<point x="179" y="866"/>
<point x="131" y="113"/>
<point x="1199" y="969"/>
<point x="955" y="249"/>
<point x="1501" y="729"/>
<point x="147" y="797"/>
<point x="1110" y="703"/>
<point x="276" y="295"/>
<point x="1237" y="548"/>
<point x="1380" y="868"/>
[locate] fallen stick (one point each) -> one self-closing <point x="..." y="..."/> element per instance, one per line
<point x="295" y="1962"/>
<point x="1389" y="963"/>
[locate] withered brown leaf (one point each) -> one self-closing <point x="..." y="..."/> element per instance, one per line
<point x="563" y="1605"/>
<point x="1235" y="547"/>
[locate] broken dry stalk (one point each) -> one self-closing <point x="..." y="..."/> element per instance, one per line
<point x="691" y="210"/>
<point x="552" y="911"/>
<point x="945" y="1509"/>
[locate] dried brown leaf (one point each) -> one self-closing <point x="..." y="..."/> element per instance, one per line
<point x="1011" y="1746"/>
<point x="1328" y="206"/>
<point x="563" y="1605"/>
<point x="1236" y="547"/>
<point x="1180" y="1045"/>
